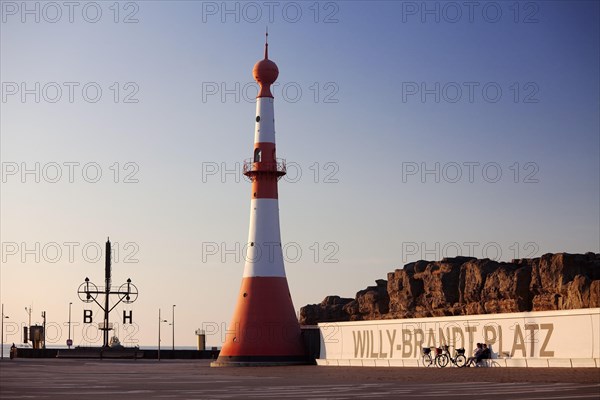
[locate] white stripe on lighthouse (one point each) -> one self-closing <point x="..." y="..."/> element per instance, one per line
<point x="264" y="255"/>
<point x="265" y="128"/>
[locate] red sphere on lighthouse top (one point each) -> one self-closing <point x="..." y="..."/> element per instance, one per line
<point x="265" y="73"/>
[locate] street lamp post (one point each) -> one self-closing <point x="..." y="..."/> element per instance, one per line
<point x="28" y="311"/>
<point x="160" y="321"/>
<point x="173" y="325"/>
<point x="2" y="333"/>
<point x="69" y="338"/>
<point x="28" y="329"/>
<point x="44" y="317"/>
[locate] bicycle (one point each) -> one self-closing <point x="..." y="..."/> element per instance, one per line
<point x="427" y="360"/>
<point x="459" y="359"/>
<point x="439" y="360"/>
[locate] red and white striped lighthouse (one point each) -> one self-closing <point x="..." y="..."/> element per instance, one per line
<point x="264" y="329"/>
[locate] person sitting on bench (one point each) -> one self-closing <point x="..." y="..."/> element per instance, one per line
<point x="486" y="354"/>
<point x="476" y="355"/>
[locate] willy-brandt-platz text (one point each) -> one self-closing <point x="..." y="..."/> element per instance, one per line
<point x="528" y="340"/>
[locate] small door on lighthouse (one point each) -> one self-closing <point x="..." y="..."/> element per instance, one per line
<point x="257" y="155"/>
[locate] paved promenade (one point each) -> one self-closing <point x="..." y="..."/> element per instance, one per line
<point x="194" y="379"/>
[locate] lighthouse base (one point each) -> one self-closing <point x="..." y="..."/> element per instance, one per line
<point x="259" y="361"/>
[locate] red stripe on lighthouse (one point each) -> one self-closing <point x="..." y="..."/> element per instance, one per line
<point x="264" y="323"/>
<point x="265" y="171"/>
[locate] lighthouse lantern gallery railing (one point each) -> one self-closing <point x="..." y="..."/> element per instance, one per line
<point x="251" y="167"/>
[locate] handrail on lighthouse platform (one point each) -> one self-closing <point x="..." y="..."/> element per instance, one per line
<point x="277" y="168"/>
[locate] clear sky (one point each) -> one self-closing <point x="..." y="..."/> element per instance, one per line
<point x="411" y="130"/>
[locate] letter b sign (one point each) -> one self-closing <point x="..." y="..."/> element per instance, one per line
<point x="87" y="316"/>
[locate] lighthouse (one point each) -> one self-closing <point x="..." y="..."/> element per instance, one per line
<point x="264" y="329"/>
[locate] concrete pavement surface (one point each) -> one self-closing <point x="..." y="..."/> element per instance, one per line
<point x="194" y="379"/>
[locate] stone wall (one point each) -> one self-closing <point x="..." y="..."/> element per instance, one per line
<point x="466" y="286"/>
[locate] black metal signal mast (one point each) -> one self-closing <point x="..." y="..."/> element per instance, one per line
<point x="88" y="292"/>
